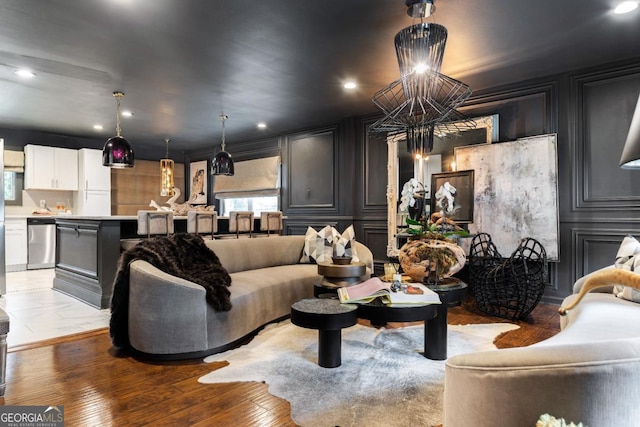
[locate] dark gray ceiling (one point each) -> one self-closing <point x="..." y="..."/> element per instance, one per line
<point x="183" y="62"/>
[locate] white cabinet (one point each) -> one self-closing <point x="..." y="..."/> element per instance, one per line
<point x="15" y="244"/>
<point x="91" y="174"/>
<point x="93" y="197"/>
<point x="50" y="168"/>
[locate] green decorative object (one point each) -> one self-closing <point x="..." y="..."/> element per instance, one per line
<point x="420" y="258"/>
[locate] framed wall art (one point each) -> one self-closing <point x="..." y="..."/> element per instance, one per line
<point x="198" y="183"/>
<point x="516" y="191"/>
<point x="463" y="198"/>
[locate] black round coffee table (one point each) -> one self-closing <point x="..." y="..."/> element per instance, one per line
<point x="329" y="317"/>
<point x="380" y="313"/>
<point x="451" y="292"/>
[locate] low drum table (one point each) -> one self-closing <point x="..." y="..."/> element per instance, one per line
<point x="338" y="275"/>
<point x="329" y="317"/>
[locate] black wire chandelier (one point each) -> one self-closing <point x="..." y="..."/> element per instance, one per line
<point x="422" y="102"/>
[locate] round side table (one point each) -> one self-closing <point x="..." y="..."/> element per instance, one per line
<point x="329" y="317"/>
<point x="338" y="275"/>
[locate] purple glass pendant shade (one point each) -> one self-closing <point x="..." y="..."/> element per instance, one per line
<point x="117" y="153"/>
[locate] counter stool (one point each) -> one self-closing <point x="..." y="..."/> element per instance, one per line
<point x="329" y="317"/>
<point x="155" y="222"/>
<point x="270" y="223"/>
<point x="4" y="330"/>
<point x="240" y="223"/>
<point x="202" y="222"/>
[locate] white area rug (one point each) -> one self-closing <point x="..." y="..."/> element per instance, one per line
<point x="384" y="380"/>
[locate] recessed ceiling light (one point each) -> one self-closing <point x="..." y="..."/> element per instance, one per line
<point x="625" y="7"/>
<point x="350" y="85"/>
<point x="98" y="127"/>
<point x="262" y="125"/>
<point x="127" y="113"/>
<point x="23" y="72"/>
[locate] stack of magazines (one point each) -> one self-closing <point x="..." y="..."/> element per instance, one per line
<point x="367" y="291"/>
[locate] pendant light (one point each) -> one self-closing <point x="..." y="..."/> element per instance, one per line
<point x="117" y="152"/>
<point x="166" y="173"/>
<point x="222" y="162"/>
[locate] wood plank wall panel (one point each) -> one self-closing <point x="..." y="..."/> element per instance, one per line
<point x="133" y="189"/>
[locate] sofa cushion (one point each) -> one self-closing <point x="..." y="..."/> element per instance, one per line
<point x="345" y="243"/>
<point x="250" y="254"/>
<point x="628" y="258"/>
<point x="318" y="245"/>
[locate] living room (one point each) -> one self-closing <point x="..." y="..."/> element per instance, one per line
<point x="584" y="89"/>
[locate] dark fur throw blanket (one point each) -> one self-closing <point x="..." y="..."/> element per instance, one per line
<point x="181" y="255"/>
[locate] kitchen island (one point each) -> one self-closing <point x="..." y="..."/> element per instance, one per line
<point x="88" y="249"/>
<point x="87" y="253"/>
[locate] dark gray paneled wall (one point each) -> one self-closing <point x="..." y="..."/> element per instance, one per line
<point x="337" y="174"/>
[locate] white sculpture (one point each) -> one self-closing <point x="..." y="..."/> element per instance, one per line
<point x="180" y="209"/>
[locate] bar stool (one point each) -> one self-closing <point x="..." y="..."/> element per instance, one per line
<point x="205" y="222"/>
<point x="270" y="222"/>
<point x="155" y="222"/>
<point x="240" y="222"/>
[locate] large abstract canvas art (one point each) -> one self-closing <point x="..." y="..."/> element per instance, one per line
<point x="515" y="191"/>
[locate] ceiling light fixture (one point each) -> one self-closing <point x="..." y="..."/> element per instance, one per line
<point x="262" y="125"/>
<point x="26" y="73"/>
<point x="98" y="127"/>
<point x="423" y="99"/>
<point x="631" y="152"/>
<point x="420" y="8"/>
<point x="350" y="85"/>
<point x="166" y="173"/>
<point x="127" y="113"/>
<point x="117" y="152"/>
<point x="222" y="162"/>
<point x="625" y="7"/>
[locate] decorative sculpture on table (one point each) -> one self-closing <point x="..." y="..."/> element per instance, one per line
<point x="431" y="255"/>
<point x="180" y="209"/>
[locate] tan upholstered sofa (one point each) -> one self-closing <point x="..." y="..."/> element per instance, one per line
<point x="589" y="372"/>
<point x="169" y="317"/>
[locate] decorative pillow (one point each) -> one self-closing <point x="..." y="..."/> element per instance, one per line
<point x="345" y="243"/>
<point x="628" y="258"/>
<point x="317" y="245"/>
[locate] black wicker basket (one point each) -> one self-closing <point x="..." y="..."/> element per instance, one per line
<point x="507" y="287"/>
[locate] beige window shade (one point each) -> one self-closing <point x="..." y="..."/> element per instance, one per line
<point x="260" y="177"/>
<point x="14" y="161"/>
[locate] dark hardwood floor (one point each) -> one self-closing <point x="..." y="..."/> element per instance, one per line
<point x="99" y="387"/>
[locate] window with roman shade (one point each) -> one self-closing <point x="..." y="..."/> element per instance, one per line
<point x="252" y="178"/>
<point x="13" y="161"/>
<point x="13" y="177"/>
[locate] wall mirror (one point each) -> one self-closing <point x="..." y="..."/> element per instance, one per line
<point x="402" y="166"/>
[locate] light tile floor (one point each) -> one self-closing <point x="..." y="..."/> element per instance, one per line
<point x="37" y="312"/>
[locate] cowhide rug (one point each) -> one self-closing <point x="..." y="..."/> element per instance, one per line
<point x="384" y="380"/>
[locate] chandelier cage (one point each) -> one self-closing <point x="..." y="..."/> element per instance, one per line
<point x="420" y="45"/>
<point x="167" y="168"/>
<point x="422" y="102"/>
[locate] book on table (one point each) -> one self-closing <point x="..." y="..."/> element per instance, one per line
<point x="367" y="291"/>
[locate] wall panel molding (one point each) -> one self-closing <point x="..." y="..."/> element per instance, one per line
<point x="602" y="105"/>
<point x="594" y="248"/>
<point x="507" y="100"/>
<point x="311" y="170"/>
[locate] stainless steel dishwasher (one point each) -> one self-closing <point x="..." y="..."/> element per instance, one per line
<point x="42" y="243"/>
